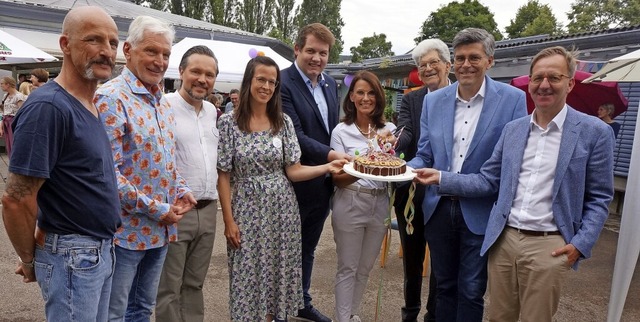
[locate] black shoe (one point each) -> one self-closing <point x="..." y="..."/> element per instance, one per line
<point x="310" y="313"/>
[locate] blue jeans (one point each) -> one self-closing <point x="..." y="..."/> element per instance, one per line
<point x="135" y="283"/>
<point x="74" y="273"/>
<point x="460" y="271"/>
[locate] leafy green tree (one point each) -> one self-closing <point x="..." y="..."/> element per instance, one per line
<point x="255" y="15"/>
<point x="445" y="22"/>
<point x="589" y="15"/>
<point x="326" y="12"/>
<point x="284" y="27"/>
<point x="533" y="19"/>
<point x="189" y="8"/>
<point x="223" y="12"/>
<point x="371" y="47"/>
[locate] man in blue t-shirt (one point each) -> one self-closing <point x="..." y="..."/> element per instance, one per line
<point x="62" y="174"/>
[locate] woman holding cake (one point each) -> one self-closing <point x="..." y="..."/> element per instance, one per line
<point x="359" y="206"/>
<point x="259" y="149"/>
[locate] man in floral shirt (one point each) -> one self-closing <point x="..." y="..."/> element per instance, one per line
<point x="153" y="196"/>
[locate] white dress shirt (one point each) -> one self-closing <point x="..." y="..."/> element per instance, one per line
<point x="464" y="126"/>
<point x="531" y="208"/>
<point x="318" y="95"/>
<point x="196" y="146"/>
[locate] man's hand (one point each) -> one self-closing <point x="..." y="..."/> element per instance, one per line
<point x="174" y="215"/>
<point x="28" y="273"/>
<point x="572" y="253"/>
<point x="427" y="176"/>
<point x="335" y="155"/>
<point x="186" y="203"/>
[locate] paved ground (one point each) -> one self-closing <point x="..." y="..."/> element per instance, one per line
<point x="586" y="294"/>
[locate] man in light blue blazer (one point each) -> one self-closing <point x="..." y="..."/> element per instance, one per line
<point x="460" y="124"/>
<point x="554" y="174"/>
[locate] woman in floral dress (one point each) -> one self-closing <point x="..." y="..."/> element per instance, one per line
<point x="259" y="150"/>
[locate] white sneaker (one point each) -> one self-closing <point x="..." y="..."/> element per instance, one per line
<point x="355" y="318"/>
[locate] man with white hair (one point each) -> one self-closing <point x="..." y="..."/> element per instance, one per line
<point x="153" y="195"/>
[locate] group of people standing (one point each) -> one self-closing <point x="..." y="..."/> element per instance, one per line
<point x="111" y="223"/>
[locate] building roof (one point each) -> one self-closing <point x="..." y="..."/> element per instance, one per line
<point x="46" y="16"/>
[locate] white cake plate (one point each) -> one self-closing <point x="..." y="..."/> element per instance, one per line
<point x="407" y="176"/>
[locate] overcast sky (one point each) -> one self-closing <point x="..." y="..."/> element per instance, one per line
<point x="401" y="20"/>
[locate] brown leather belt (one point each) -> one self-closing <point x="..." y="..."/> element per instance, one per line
<point x="202" y="203"/>
<point x="535" y="233"/>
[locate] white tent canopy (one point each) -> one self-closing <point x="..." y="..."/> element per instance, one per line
<point x="625" y="68"/>
<point x="15" y="51"/>
<point x="232" y="60"/>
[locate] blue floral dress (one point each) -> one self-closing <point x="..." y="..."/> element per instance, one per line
<point x="265" y="275"/>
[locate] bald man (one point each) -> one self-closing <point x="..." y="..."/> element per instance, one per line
<point x="68" y="183"/>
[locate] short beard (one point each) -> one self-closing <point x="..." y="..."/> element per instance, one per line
<point x="194" y="96"/>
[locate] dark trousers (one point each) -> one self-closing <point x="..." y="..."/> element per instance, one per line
<point x="8" y="133"/>
<point x="413" y="248"/>
<point x="460" y="271"/>
<point x="314" y="209"/>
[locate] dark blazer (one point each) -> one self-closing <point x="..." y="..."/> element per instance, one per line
<point x="409" y="120"/>
<point x="502" y="104"/>
<point x="582" y="186"/>
<point x="314" y="139"/>
<point x="301" y="107"/>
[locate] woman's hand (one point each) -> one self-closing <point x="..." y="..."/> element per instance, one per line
<point x="335" y="167"/>
<point x="232" y="232"/>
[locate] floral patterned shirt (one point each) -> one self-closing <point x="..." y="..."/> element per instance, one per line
<point x="140" y="125"/>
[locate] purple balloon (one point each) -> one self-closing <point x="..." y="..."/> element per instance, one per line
<point x="348" y="79"/>
<point x="253" y="53"/>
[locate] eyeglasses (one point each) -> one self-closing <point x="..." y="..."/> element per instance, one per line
<point x="261" y="81"/>
<point x="433" y="64"/>
<point x="473" y="59"/>
<point x="551" y="78"/>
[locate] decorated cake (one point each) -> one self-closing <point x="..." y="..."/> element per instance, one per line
<point x="379" y="164"/>
<point x="382" y="161"/>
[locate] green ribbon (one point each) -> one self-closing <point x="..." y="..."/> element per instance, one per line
<point x="409" y="209"/>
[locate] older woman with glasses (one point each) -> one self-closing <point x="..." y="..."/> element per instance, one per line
<point x="360" y="206"/>
<point x="11" y="102"/>
<point x="434" y="62"/>
<point x="259" y="149"/>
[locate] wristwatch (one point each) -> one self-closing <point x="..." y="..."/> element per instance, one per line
<point x="27" y="264"/>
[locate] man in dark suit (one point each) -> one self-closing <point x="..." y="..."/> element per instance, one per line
<point x="433" y="60"/>
<point x="553" y="172"/>
<point x="310" y="98"/>
<point x="460" y="125"/>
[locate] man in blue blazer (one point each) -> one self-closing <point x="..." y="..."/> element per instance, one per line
<point x="554" y="174"/>
<point x="460" y="124"/>
<point x="310" y="98"/>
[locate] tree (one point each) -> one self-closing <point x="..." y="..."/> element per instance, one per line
<point x="329" y="16"/>
<point x="284" y="27"/>
<point x="371" y="47"/>
<point x="455" y="16"/>
<point x="589" y="15"/>
<point x="223" y="12"/>
<point x="533" y="19"/>
<point x="255" y="15"/>
<point x="189" y="8"/>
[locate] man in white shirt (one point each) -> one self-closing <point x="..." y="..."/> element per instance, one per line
<point x="553" y="171"/>
<point x="185" y="268"/>
<point x="459" y="126"/>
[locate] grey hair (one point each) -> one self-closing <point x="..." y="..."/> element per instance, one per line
<point x="476" y="35"/>
<point x="427" y="45"/>
<point x="145" y="23"/>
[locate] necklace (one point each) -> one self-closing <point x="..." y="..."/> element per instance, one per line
<point x="368" y="133"/>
